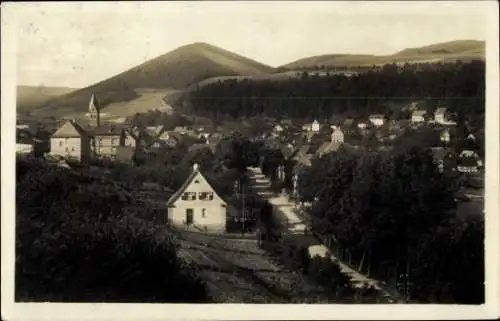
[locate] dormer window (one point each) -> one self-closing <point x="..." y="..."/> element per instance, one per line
<point x="188" y="196"/>
<point x="206" y="196"/>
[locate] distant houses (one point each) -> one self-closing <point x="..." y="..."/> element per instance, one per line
<point x="313" y="127"/>
<point x="25" y="143"/>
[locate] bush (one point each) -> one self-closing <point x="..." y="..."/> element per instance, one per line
<point x="327" y="273"/>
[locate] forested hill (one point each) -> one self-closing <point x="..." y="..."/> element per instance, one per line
<point x="458" y="86"/>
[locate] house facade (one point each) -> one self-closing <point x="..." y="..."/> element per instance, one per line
<point x="445" y="136"/>
<point x="418" y="116"/>
<point x="130" y="140"/>
<point x="362" y="125"/>
<point x="440" y="116"/>
<point x="106" y="140"/>
<point x="377" y="120"/>
<point x="25" y="143"/>
<point x="71" y="141"/>
<point x="315" y="126"/>
<point x="197" y="206"/>
<point x="337" y="136"/>
<point x="469" y="162"/>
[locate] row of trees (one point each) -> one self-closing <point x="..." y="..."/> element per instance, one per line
<point x="292" y="253"/>
<point x="74" y="244"/>
<point x="396" y="212"/>
<point x="459" y="86"/>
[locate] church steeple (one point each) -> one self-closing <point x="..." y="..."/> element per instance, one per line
<point x="94" y="110"/>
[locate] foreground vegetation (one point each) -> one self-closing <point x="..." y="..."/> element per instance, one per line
<point x="393" y="215"/>
<point x="74" y="244"/>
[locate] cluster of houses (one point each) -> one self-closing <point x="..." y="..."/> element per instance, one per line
<point x="302" y="144"/>
<point x="441" y="116"/>
<point x="196" y="203"/>
<point x="84" y="140"/>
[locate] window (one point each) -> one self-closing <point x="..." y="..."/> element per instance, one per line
<point x="72" y="149"/>
<point x="66" y="149"/>
<point x="188" y="196"/>
<point x="206" y="196"/>
<point x="203" y="212"/>
<point x="196" y="181"/>
<point x="60" y="144"/>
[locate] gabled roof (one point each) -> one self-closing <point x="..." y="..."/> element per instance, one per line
<point x="440" y="153"/>
<point x="195" y="173"/>
<point x="106" y="130"/>
<point x="419" y="113"/>
<point x="328" y="147"/>
<point x="440" y="110"/>
<point x="69" y="129"/>
<point x="154" y="130"/>
<point x="468" y="153"/>
<point x="131" y="133"/>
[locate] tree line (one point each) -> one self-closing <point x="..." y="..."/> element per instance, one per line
<point x="395" y="215"/>
<point x="458" y="86"/>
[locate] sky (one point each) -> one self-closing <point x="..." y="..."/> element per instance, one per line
<point x="78" y="44"/>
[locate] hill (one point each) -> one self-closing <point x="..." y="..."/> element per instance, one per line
<point x="446" y="51"/>
<point x="29" y="97"/>
<point x="177" y="69"/>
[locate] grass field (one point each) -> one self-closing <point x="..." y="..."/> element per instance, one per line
<point x="238" y="271"/>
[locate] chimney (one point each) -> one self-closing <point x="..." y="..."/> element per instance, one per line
<point x="195" y="166"/>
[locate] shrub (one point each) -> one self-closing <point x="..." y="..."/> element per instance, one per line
<point x="327" y="273"/>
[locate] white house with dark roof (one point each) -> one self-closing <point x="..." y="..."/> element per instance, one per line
<point x="315" y="126"/>
<point x="197" y="206"/>
<point x="377" y="119"/>
<point x="71" y="141"/>
<point x="418" y="116"/>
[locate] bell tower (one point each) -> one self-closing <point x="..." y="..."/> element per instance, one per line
<point x="94" y="111"/>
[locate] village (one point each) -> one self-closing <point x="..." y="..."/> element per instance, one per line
<point x="209" y="218"/>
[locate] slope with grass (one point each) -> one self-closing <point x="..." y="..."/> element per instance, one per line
<point x="446" y="51"/>
<point x="177" y="69"/>
<point x="29" y="97"/>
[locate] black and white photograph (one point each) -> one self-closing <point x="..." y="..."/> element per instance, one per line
<point x="298" y="155"/>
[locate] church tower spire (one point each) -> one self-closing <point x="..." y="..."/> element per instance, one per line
<point x="94" y="111"/>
